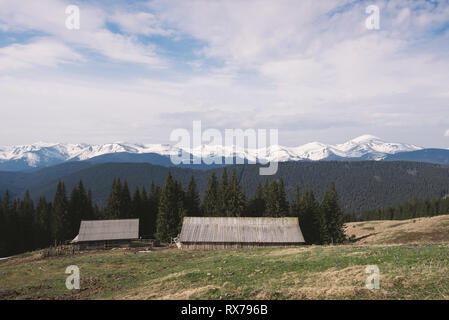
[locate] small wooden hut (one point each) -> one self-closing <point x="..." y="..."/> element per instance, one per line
<point x="241" y="232"/>
<point x="96" y="234"/>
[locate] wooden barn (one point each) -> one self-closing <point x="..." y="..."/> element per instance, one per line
<point x="96" y="234"/>
<point x="224" y="232"/>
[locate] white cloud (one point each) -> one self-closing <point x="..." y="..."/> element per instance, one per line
<point x="244" y="31"/>
<point x="309" y="47"/>
<point x="140" y="23"/>
<point x="40" y="52"/>
<point x="303" y="66"/>
<point x="49" y="16"/>
<point x="118" y="47"/>
<point x="446" y="134"/>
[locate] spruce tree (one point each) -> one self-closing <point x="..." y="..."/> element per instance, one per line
<point x="125" y="202"/>
<point x="43" y="223"/>
<point x="271" y="193"/>
<point x="137" y="207"/>
<point x="182" y="211"/>
<point x="266" y="196"/>
<point x="75" y="210"/>
<point x="277" y="203"/>
<point x="144" y="216"/>
<point x="311" y="220"/>
<point x="296" y="205"/>
<point x="192" y="199"/>
<point x="3" y="225"/>
<point x="236" y="202"/>
<point x="210" y="206"/>
<point x="256" y="205"/>
<point x="282" y="202"/>
<point x="85" y="203"/>
<point x="61" y="214"/>
<point x="9" y="246"/>
<point x="27" y="210"/>
<point x="90" y="212"/>
<point x="16" y="231"/>
<point x="3" y="230"/>
<point x="170" y="210"/>
<point x="79" y="208"/>
<point x="333" y="216"/>
<point x="224" y="194"/>
<point x="112" y="210"/>
<point x="152" y="210"/>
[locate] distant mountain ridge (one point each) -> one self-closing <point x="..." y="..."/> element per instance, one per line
<point x="366" y="147"/>
<point x="440" y="156"/>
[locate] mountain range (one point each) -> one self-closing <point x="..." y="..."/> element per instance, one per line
<point x="366" y="147"/>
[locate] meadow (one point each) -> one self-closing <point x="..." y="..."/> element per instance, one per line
<point x="415" y="267"/>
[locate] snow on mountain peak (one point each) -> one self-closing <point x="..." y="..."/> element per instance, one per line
<point x="43" y="154"/>
<point x="365" y="138"/>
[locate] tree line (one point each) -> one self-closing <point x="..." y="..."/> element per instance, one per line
<point x="361" y="186"/>
<point x="408" y="210"/>
<point x="25" y="227"/>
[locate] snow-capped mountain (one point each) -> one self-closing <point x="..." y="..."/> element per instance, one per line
<point x="41" y="154"/>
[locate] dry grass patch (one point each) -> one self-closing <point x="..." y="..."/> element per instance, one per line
<point x="289" y="251"/>
<point x="346" y="283"/>
<point x="186" y="293"/>
<point x="167" y="287"/>
<point x="333" y="283"/>
<point x="417" y="230"/>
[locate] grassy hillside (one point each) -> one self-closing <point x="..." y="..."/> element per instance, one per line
<point x="416" y="270"/>
<point x="406" y="272"/>
<point x="419" y="230"/>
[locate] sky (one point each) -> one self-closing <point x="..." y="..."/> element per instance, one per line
<point x="136" y="70"/>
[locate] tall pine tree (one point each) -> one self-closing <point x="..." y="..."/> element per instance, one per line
<point x="236" y="202"/>
<point x="61" y="214"/>
<point x="333" y="216"/>
<point x="170" y="210"/>
<point x="192" y="199"/>
<point x="210" y="206"/>
<point x="256" y="205"/>
<point x="125" y="202"/>
<point x="311" y="220"/>
<point x="112" y="210"/>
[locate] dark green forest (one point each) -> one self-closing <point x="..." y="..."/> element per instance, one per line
<point x="25" y="226"/>
<point x="160" y="197"/>
<point x="361" y="186"/>
<point x="408" y="210"/>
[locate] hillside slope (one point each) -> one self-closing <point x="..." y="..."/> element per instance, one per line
<point x="418" y="230"/>
<point x="415" y="269"/>
<point x="329" y="272"/>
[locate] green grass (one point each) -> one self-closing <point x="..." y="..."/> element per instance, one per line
<point x="332" y="272"/>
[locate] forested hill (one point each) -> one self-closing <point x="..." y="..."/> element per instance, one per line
<point x="361" y="185"/>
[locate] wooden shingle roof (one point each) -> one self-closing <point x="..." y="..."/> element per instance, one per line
<point x="98" y="230"/>
<point x="240" y="230"/>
